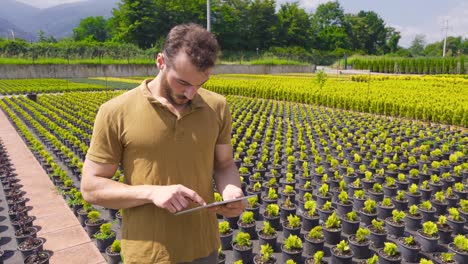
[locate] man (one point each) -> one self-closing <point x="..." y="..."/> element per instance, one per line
<point x="171" y="137"/>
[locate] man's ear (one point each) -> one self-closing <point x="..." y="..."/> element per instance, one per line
<point x="160" y="61"/>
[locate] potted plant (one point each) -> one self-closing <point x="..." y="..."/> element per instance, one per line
<point x="452" y="199"/>
<point x="272" y="216"/>
<point x="31" y="245"/>
<point x="266" y="255"/>
<point x="360" y="243"/>
<point x="368" y="212"/>
<point x="409" y="248"/>
<point x="463" y="209"/>
<point x="389" y="254"/>
<point x="225" y="234"/>
<point x="402" y="183"/>
<point x="246" y="224"/>
<point x="322" y="195"/>
<point x="314" y="240"/>
<point x="426" y="190"/>
<point x="396" y="224"/>
<point x="341" y="253"/>
<point x="427" y="211"/>
<point x="459" y="246"/>
<point x="444" y="257"/>
<point x="400" y="201"/>
<point x="317" y="258"/>
<point x="456" y="221"/>
<point x="440" y="203"/>
<point x="104" y="237"/>
<point x="413" y="195"/>
<point x="288" y="192"/>
<point x="37" y="257"/>
<point x="93" y="222"/>
<point x="350" y="223"/>
<point x="267" y="235"/>
<point x="332" y="229"/>
<point x="444" y="230"/>
<point x="113" y="252"/>
<point x="358" y="200"/>
<point x="309" y="216"/>
<point x="389" y="187"/>
<point x="271" y="198"/>
<point x="222" y="257"/>
<point x="326" y="210"/>
<point x="254" y="207"/>
<point x="292" y="249"/>
<point x="368" y="180"/>
<point x="460" y="190"/>
<point x="292" y="226"/>
<point x="428" y="236"/>
<point x="287" y="208"/>
<point x="378" y="234"/>
<point x="242" y="247"/>
<point x="385" y="208"/>
<point x="343" y="205"/>
<point x="376" y="192"/>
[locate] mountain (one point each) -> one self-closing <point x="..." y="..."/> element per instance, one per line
<point x="6" y="28"/>
<point x="57" y="21"/>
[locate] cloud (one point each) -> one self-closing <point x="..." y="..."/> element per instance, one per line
<point x="47" y="3"/>
<point x="308" y="5"/>
<point x="457" y="18"/>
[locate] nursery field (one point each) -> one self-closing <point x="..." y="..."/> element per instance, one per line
<point x="346" y="170"/>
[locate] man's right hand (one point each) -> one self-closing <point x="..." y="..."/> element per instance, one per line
<point x="174" y="198"/>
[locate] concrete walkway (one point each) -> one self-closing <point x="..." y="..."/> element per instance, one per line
<point x="63" y="233"/>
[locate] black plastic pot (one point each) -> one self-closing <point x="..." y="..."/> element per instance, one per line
<point x="341" y="259"/>
<point x="457" y="226"/>
<point x="343" y="209"/>
<point x="102" y="244"/>
<point x="311" y="246"/>
<point x="412" y="223"/>
<point x="460" y="257"/>
<point x="413" y="198"/>
<point x="38" y="247"/>
<point x="226" y="240"/>
<point x="366" y="218"/>
<point x="445" y="234"/>
<point x="400" y="205"/>
<point x="295" y="255"/>
<point x="266" y="239"/>
<point x="409" y="254"/>
<point x="384" y="212"/>
<point x="273" y="220"/>
<point x="427" y="215"/>
<point x="325" y="214"/>
<point x="384" y="259"/>
<point x="389" y="191"/>
<point x="440" y="207"/>
<point x="113" y="257"/>
<point x="428" y="244"/>
<point x="349" y="227"/>
<point x="332" y="236"/>
<point x="233" y="221"/>
<point x="360" y="251"/>
<point x="248" y="228"/>
<point x="378" y="239"/>
<point x="287" y="231"/>
<point x="309" y="222"/>
<point x="358" y="203"/>
<point x="394" y="229"/>
<point x="244" y="254"/>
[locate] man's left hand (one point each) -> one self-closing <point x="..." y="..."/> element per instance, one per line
<point x="231" y="209"/>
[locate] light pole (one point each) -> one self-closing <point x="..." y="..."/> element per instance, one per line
<point x="208" y="14"/>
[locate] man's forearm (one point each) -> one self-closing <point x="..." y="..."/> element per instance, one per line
<point x="111" y="194"/>
<point x="226" y="176"/>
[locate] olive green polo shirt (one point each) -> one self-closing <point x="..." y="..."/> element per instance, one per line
<point x="156" y="148"/>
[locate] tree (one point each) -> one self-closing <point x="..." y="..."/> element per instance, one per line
<point x="293" y="26"/>
<point x="42" y="37"/>
<point x="94" y="28"/>
<point x="417" y="45"/>
<point x="261" y="24"/>
<point x="328" y="24"/>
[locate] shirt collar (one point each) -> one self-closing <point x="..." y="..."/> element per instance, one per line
<point x="196" y="102"/>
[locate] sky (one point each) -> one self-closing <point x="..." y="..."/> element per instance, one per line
<point x="409" y="17"/>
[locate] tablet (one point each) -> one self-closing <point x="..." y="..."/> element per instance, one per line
<point x="214" y="204"/>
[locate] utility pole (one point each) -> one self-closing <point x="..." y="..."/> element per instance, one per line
<point x="13" y="34"/>
<point x="445" y="39"/>
<point x="208" y="15"/>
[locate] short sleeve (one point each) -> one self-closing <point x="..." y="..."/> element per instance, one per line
<point x="224" y="136"/>
<point x="105" y="146"/>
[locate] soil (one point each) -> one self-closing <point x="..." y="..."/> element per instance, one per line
<point x="263" y="235"/>
<point x="372" y="229"/>
<point x="258" y="259"/>
<point x="246" y="224"/>
<point x="288" y="207"/>
<point x="341" y="254"/>
<point x="290" y="227"/>
<point x="399" y="224"/>
<point x="354" y="239"/>
<point x="426" y="235"/>
<point x="30" y="243"/>
<point x="397" y="255"/>
<point x="37" y="258"/>
<point x="444" y="227"/>
<point x="438" y="256"/>
<point x="241" y="248"/>
<point x="414" y="246"/>
<point x="313" y="239"/>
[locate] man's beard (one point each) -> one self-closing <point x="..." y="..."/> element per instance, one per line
<point x="171" y="97"/>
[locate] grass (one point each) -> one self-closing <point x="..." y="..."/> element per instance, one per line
<point x="24" y="61"/>
<point x="145" y="61"/>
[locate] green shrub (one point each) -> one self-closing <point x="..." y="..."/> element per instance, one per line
<point x="266" y="252"/>
<point x="398" y="216"/>
<point x="333" y="221"/>
<point x="362" y="234"/>
<point x="115" y="247"/>
<point x="272" y="210"/>
<point x="248" y="217"/>
<point x="294" y="221"/>
<point x="343" y="246"/>
<point x="390" y="249"/>
<point x="105" y="232"/>
<point x="224" y="227"/>
<point x="461" y="242"/>
<point x="243" y="239"/>
<point x="316" y="233"/>
<point x="268" y="229"/>
<point x="429" y="228"/>
<point x="318" y="256"/>
<point x="293" y="242"/>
